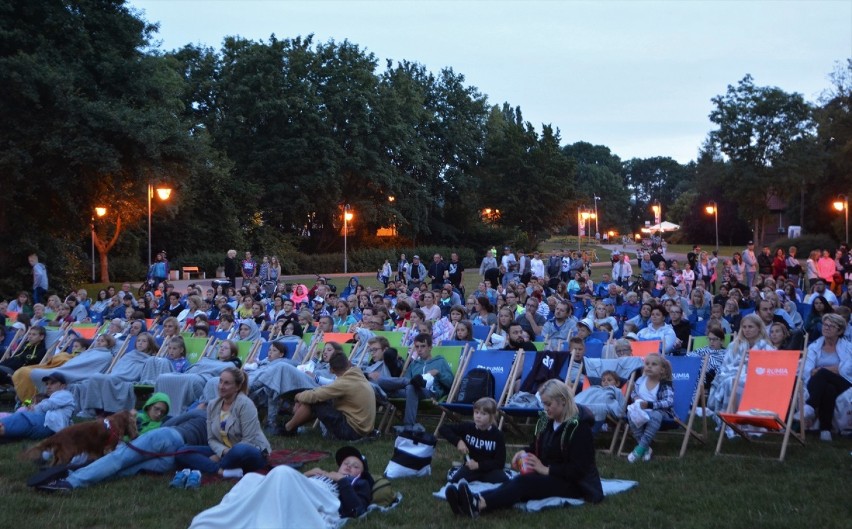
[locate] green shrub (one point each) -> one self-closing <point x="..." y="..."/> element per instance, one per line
<point x="209" y="262"/>
<point x="126" y="268"/>
<point x="806" y="243"/>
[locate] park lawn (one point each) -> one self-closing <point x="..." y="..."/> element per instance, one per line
<point x="698" y="491"/>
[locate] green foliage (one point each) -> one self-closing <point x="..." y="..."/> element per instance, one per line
<point x="806" y="243"/>
<point x="126" y="268"/>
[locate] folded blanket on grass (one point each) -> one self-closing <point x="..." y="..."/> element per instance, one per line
<point x="610" y="487"/>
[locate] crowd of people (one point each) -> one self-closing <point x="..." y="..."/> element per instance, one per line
<point x="765" y="301"/>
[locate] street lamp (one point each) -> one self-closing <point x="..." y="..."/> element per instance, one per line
<point x="347" y="216"/>
<point x="597" y="228"/>
<point x="657" y="209"/>
<point x="163" y="193"/>
<point x="842" y="204"/>
<point x="584" y="216"/>
<point x="100" y="212"/>
<point x="713" y="209"/>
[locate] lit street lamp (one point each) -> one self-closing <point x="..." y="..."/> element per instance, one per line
<point x="713" y="209"/>
<point x="163" y="193"/>
<point x="347" y="217"/>
<point x="100" y="212"/>
<point x="597" y="228"/>
<point x="842" y="204"/>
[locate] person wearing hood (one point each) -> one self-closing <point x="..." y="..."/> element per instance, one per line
<point x="300" y="294"/>
<point x="249" y="331"/>
<point x="154" y="413"/>
<point x="350" y="288"/>
<point x="560" y="461"/>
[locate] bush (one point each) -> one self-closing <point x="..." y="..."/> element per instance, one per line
<point x="806" y="243"/>
<point x="208" y="262"/>
<point x="126" y="268"/>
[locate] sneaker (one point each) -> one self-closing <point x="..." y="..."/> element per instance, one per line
<point x="57" y="485"/>
<point x="647" y="456"/>
<point x="452" y="495"/>
<point x="468" y="502"/>
<point x="633" y="456"/>
<point x="194" y="479"/>
<point x="179" y="481"/>
<point x="825" y="435"/>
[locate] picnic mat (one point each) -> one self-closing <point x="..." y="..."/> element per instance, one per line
<point x="292" y="458"/>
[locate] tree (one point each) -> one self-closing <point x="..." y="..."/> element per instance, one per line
<point x="759" y="129"/>
<point x="654" y="179"/>
<point x="599" y="174"/>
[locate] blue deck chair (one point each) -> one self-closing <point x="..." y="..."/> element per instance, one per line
<point x="699" y="328"/>
<point x="593" y="350"/>
<point x="805" y="310"/>
<point x="500" y="363"/>
<point x="688" y="382"/>
<point x="603" y="336"/>
<point x="626" y="367"/>
<point x="480" y="332"/>
<point x="523" y="368"/>
<point x="458" y="343"/>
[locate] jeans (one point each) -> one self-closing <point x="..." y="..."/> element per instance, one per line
<point x="241" y="455"/>
<point x="39" y="295"/>
<point x="125" y="461"/>
<point x="487" y="476"/>
<point x="25" y="425"/>
<point x="400" y="387"/>
<point x="645" y="434"/>
<point x="750" y="279"/>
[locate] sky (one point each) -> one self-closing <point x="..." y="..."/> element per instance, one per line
<point x="635" y="76"/>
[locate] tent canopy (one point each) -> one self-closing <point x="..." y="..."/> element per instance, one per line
<point x="664" y="227"/>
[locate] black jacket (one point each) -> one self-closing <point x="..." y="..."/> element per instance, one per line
<point x="569" y="451"/>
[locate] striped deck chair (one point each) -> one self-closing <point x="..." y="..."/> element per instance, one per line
<point x="501" y="364"/>
<point x="688" y="383"/>
<point x="771" y="397"/>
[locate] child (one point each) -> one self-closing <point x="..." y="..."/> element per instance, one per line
<point x="578" y="350"/>
<point x="481" y="443"/>
<point x="177" y="355"/>
<point x="653" y="395"/>
<point x="603" y="400"/>
<point x="154" y="413"/>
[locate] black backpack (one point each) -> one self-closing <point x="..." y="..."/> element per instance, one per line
<point x="476" y="384"/>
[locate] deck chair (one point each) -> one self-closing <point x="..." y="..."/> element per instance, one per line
<point x="771" y="397"/>
<point x="85" y="330"/>
<point x="481" y="332"/>
<point x="394" y="338"/>
<point x="643" y="348"/>
<point x="688" y="383"/>
<point x="512" y="416"/>
<point x="501" y="364"/>
<point x="197" y="348"/>
<point x="626" y="368"/>
<point x="454" y="357"/>
<point x="697" y="342"/>
<point x="339" y="337"/>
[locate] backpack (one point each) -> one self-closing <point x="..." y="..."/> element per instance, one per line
<point x="476" y="384"/>
<point x="383" y="493"/>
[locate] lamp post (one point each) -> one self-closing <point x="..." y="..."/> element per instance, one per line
<point x="713" y="209"/>
<point x="347" y="216"/>
<point x="597" y="228"/>
<point x="163" y="193"/>
<point x="584" y="216"/>
<point x="100" y="212"/>
<point x="842" y="204"/>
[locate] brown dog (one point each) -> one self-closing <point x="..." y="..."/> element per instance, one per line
<point x="94" y="438"/>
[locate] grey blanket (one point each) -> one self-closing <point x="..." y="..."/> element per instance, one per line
<point x="111" y="391"/>
<point x="80" y="367"/>
<point x="184" y="388"/>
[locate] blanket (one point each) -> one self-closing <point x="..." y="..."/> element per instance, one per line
<point x="610" y="487"/>
<point x="112" y="391"/>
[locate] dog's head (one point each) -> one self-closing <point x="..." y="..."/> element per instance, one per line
<point x="124" y="423"/>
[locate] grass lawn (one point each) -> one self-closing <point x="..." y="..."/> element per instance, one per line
<point x="699" y="491"/>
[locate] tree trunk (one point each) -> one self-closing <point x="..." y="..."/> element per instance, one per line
<point x="103" y="259"/>
<point x="105" y="247"/>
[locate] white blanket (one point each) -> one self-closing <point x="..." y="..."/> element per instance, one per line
<point x="610" y="487"/>
<point x="284" y="498"/>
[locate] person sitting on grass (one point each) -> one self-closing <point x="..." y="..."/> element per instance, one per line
<point x="346" y="407"/>
<point x="480" y="442"/>
<point x="43" y="419"/>
<point x="560" y="460"/>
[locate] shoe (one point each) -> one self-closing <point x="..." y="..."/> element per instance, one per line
<point x="452" y="495"/>
<point x="632" y="457"/>
<point x="179" y="481"/>
<point x="418" y="382"/>
<point x="647" y="456"/>
<point x="638" y="454"/>
<point x="57" y="485"/>
<point x="468" y="502"/>
<point x="282" y="431"/>
<point x="194" y="479"/>
<point x="825" y="435"/>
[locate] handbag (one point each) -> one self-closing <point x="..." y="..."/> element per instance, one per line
<point x="412" y="455"/>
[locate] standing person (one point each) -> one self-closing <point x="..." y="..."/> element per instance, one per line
<point x="385" y="273"/>
<point x="401" y="267"/>
<point x="826" y="267"/>
<point x="235" y="440"/>
<point x="537" y="266"/>
<point x="654" y="394"/>
<point x="39" y="279"/>
<point x="248" y="268"/>
<point x="231" y="266"/>
<point x="764" y="262"/>
<point x="560" y="460"/>
<point x="480" y="442"/>
<point x="621" y="271"/>
<point x="437" y="271"/>
<point x="416" y="272"/>
<point x="160" y="269"/>
<point x="455" y="272"/>
<point x="524" y="267"/>
<point x="489" y="270"/>
<point x="750" y="262"/>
